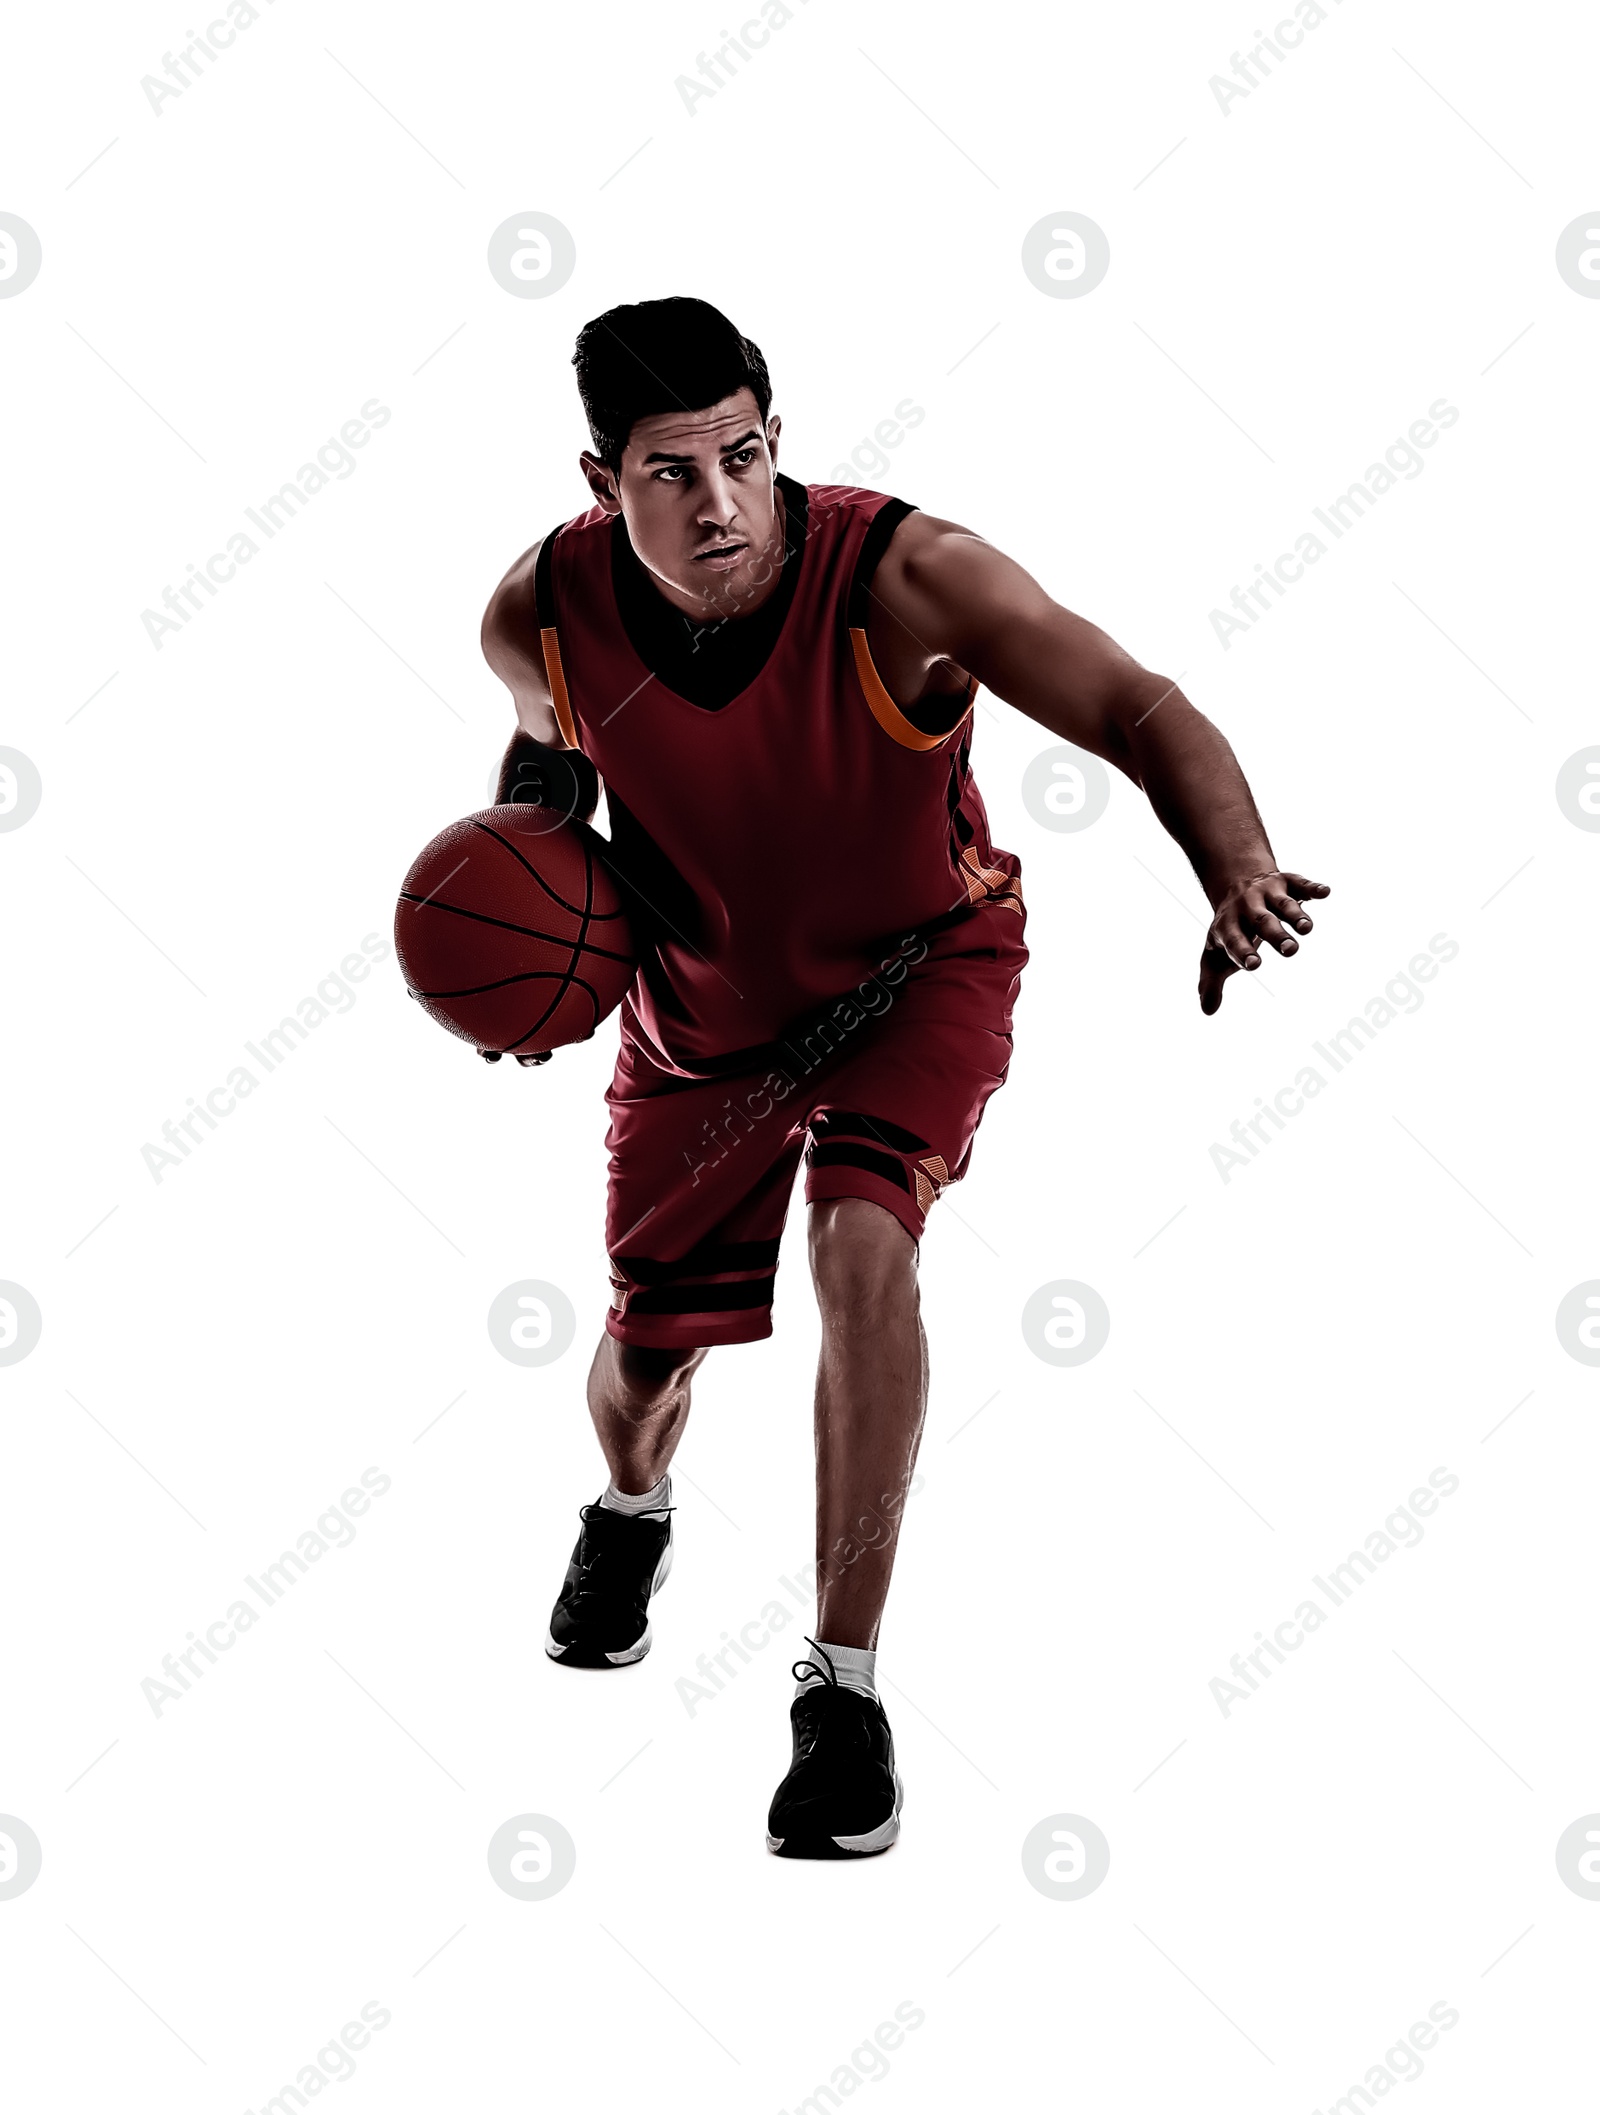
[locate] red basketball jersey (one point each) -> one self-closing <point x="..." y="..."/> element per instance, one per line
<point x="776" y="849"/>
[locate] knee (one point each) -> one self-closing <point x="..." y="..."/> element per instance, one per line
<point x="862" y="1259"/>
<point x="649" y="1378"/>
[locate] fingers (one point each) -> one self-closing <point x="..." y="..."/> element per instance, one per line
<point x="1252" y="917"/>
<point x="1233" y="944"/>
<point x="1232" y="934"/>
<point x="1215" y="969"/>
<point x="1283" y="894"/>
<point x="1257" y="921"/>
<point x="1288" y="907"/>
<point x="1267" y="928"/>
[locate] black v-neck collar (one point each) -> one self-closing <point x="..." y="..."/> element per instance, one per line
<point x="709" y="665"/>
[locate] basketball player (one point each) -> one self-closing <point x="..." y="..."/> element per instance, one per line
<point x="775" y="682"/>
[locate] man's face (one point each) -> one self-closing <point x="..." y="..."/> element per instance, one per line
<point x="696" y="491"/>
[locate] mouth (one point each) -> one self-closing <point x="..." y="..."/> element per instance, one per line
<point x="721" y="556"/>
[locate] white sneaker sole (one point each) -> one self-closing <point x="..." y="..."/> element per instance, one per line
<point x="873" y="1840"/>
<point x="641" y="1644"/>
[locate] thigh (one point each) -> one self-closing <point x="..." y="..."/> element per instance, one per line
<point x="700" y="1177"/>
<point x="894" y="1120"/>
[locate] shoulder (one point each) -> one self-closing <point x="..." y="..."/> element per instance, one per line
<point x="518" y="605"/>
<point x="928" y="559"/>
<point x="846" y="500"/>
<point x="953" y="590"/>
<point x="512" y="617"/>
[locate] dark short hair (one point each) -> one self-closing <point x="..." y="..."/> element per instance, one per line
<point x="678" y="354"/>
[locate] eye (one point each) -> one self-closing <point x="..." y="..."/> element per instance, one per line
<point x="672" y="471"/>
<point x="741" y="458"/>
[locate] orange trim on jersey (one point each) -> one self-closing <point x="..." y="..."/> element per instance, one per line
<point x="556" y="677"/>
<point x="884" y="709"/>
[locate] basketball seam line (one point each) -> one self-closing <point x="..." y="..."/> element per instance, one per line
<point x="532" y="932"/>
<point x="532" y="870"/>
<point x="577" y="947"/>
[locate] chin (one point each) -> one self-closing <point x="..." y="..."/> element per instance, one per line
<point x="719" y="581"/>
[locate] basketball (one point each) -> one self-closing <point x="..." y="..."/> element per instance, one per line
<point x="511" y="933"/>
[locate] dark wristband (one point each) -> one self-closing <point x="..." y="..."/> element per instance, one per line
<point x="536" y="776"/>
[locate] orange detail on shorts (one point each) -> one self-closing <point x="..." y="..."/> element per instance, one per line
<point x="884" y="709"/>
<point x="932" y="1175"/>
<point x="991" y="884"/>
<point x="558" y="684"/>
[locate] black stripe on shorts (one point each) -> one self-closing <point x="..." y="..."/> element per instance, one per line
<point x="841" y="1153"/>
<point x="703" y="1299"/>
<point x="831" y="1123"/>
<point x="703" y="1261"/>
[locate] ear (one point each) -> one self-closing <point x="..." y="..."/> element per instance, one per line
<point x="774" y="428"/>
<point x="602" y="482"/>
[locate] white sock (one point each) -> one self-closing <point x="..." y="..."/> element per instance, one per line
<point x="855" y="1667"/>
<point x="654" y="1501"/>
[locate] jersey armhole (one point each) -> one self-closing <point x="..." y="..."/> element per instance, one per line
<point x="931" y="723"/>
<point x="544" y="608"/>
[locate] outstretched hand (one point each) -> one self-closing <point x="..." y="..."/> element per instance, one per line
<point x="1258" y="909"/>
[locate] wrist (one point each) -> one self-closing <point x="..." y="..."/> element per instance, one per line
<point x="1231" y="880"/>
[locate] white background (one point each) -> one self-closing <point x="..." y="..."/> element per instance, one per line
<point x="304" y="229"/>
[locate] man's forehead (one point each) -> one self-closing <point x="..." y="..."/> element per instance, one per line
<point x="682" y="431"/>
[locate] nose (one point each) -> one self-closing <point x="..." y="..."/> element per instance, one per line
<point x="719" y="503"/>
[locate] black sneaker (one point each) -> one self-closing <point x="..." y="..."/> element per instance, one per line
<point x="841" y="1798"/>
<point x="602" y="1616"/>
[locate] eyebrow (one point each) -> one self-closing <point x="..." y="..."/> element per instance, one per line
<point x="727" y="448"/>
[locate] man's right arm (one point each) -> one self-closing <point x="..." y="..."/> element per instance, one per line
<point x="538" y="768"/>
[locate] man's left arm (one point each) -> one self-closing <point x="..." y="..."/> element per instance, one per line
<point x="943" y="594"/>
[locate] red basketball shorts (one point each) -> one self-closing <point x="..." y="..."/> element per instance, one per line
<point x="881" y="1098"/>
